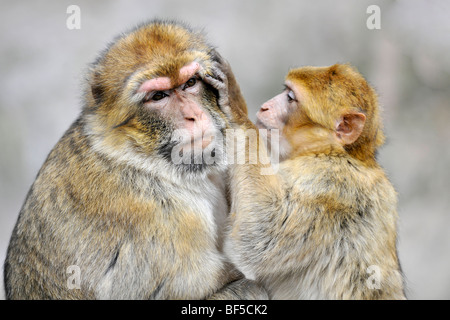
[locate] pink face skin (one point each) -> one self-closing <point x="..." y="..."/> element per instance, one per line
<point x="181" y="104"/>
<point x="274" y="113"/>
<point x="163" y="83"/>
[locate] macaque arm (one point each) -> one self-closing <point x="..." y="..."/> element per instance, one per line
<point x="257" y="191"/>
<point x="257" y="211"/>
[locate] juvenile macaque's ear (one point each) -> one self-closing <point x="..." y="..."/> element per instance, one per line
<point x="349" y="127"/>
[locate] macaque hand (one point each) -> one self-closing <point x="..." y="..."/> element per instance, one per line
<point x="219" y="81"/>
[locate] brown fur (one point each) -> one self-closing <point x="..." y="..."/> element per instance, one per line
<point x="107" y="200"/>
<point x="333" y="91"/>
<point x="314" y="229"/>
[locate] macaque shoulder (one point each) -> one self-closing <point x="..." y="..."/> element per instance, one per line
<point x="342" y="178"/>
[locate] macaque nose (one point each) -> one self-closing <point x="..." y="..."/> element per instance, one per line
<point x="196" y="120"/>
<point x="264" y="107"/>
<point x="191" y="112"/>
<point x="195" y="117"/>
<point x="198" y="124"/>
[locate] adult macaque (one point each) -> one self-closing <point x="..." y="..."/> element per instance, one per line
<point x="111" y="201"/>
<point x="323" y="226"/>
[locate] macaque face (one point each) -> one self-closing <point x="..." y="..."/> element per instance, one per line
<point x="184" y="115"/>
<point x="181" y="104"/>
<point x="148" y="106"/>
<point x="311" y="114"/>
<point x="276" y="113"/>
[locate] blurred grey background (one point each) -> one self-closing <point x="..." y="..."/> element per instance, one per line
<point x="42" y="65"/>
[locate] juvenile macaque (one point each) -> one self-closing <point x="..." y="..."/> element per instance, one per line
<point x="110" y="201"/>
<point x="323" y="225"/>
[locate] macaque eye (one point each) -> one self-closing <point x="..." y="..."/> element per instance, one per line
<point x="291" y="96"/>
<point x="158" y="95"/>
<point x="190" y="83"/>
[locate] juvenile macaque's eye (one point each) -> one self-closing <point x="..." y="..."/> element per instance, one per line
<point x="291" y="96"/>
<point x="190" y="83"/>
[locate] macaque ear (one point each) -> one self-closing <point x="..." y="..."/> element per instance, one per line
<point x="349" y="127"/>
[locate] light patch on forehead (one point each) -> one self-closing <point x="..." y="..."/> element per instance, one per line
<point x="188" y="71"/>
<point x="165" y="83"/>
<point x="156" y="84"/>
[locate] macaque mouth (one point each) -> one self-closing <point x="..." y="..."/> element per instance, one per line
<point x="261" y="125"/>
<point x="193" y="142"/>
<point x="202" y="141"/>
<point x="193" y="155"/>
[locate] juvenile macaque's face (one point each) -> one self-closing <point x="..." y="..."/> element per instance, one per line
<point x="274" y="113"/>
<point x="323" y="108"/>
